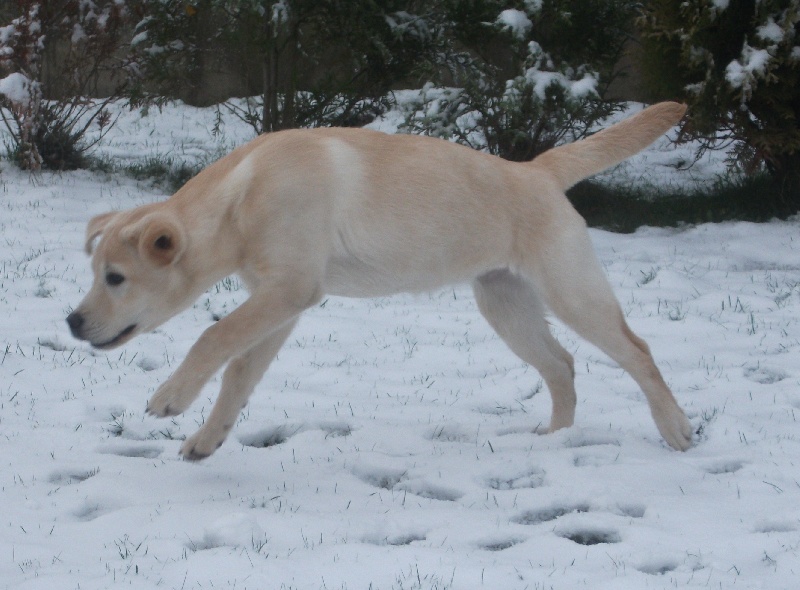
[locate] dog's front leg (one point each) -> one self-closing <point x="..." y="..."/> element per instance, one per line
<point x="240" y="378"/>
<point x="257" y="319"/>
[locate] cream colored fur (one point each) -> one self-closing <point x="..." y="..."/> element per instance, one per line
<point x="303" y="213"/>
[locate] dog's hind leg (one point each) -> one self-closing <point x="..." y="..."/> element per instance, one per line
<point x="515" y="311"/>
<point x="574" y="287"/>
<point x="238" y="381"/>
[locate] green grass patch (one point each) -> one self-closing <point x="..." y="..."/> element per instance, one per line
<point x="164" y="172"/>
<point x="623" y="209"/>
<point x="160" y="171"/>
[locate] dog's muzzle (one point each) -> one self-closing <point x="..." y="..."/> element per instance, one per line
<point x="76" y="321"/>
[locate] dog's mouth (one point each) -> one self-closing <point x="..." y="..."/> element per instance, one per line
<point x="118" y="339"/>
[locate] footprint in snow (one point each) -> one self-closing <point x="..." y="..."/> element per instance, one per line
<point x="397" y="480"/>
<point x="527" y="479"/>
<point x="556" y="511"/>
<point x="92" y="508"/>
<point x="500" y="544"/>
<point x="723" y="467"/>
<point x="150" y="363"/>
<point x="451" y="433"/>
<point x="238" y="530"/>
<point x="776" y="526"/>
<point x="594" y="459"/>
<point x="584" y="439"/>
<point x="280" y="433"/>
<point x="270" y="437"/>
<point x="590" y="536"/>
<point x="542" y="515"/>
<point x="764" y="375"/>
<point x="380" y="477"/>
<point x="395" y="540"/>
<point x="431" y="491"/>
<point x="657" y="567"/>
<point x="72" y="476"/>
<point x="133" y="450"/>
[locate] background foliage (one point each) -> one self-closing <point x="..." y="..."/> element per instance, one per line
<point x="47" y="124"/>
<point x="526" y="74"/>
<point x="305" y="62"/>
<point x="737" y="64"/>
<point x="512" y="77"/>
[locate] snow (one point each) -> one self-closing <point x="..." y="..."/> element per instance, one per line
<point x="280" y="13"/>
<point x="771" y="31"/>
<point x="753" y="62"/>
<point x="139" y="38"/>
<point x="541" y="80"/>
<point x="720" y="5"/>
<point x="6" y="33"/>
<point x="533" y="6"/>
<point x="78" y="34"/>
<point x="394" y="442"/>
<point x="16" y="88"/>
<point x="583" y="88"/>
<point x="515" y="21"/>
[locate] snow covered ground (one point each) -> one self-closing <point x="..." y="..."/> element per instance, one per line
<point x="393" y="444"/>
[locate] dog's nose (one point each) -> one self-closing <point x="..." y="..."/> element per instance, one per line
<point x="75" y="322"/>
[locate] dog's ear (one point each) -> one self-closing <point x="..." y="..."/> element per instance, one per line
<point x="158" y="237"/>
<point x="163" y="241"/>
<point x="95" y="227"/>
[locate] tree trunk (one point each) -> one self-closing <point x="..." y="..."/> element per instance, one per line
<point x="270" y="118"/>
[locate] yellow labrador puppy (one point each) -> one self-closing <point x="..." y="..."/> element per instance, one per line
<point x="303" y="213"/>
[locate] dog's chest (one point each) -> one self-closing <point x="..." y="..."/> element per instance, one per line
<point x="351" y="277"/>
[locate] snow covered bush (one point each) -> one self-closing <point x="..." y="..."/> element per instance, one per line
<point x="48" y="123"/>
<point x="306" y="62"/>
<point x="737" y="63"/>
<point x="21" y="45"/>
<point x="529" y="73"/>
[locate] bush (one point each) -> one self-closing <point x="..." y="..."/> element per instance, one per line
<point x="45" y="132"/>
<point x="528" y="74"/>
<point x="737" y="64"/>
<point x="758" y="197"/>
<point x="358" y="51"/>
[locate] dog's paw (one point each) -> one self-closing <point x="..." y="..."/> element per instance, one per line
<point x="200" y="445"/>
<point x="170" y="400"/>
<point x="675" y="427"/>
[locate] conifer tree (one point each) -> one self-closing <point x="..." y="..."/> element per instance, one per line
<point x="737" y="64"/>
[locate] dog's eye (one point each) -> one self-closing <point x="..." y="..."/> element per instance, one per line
<point x="114" y="279"/>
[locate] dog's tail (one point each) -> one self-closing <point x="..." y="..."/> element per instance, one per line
<point x="573" y="162"/>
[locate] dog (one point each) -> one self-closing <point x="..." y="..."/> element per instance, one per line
<point x="299" y="214"/>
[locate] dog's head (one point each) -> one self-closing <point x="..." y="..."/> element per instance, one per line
<point x="139" y="282"/>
